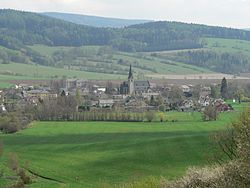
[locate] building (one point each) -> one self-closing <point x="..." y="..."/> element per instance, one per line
<point x="105" y="103"/>
<point x="74" y="83"/>
<point x="2" y="108"/>
<point x="132" y="87"/>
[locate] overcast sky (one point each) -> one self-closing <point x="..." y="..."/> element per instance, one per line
<point x="231" y="13"/>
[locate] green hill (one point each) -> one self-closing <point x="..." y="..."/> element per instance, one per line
<point x="30" y="38"/>
<point x="21" y="28"/>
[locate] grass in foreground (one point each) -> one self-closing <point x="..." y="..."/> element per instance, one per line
<point x="89" y="154"/>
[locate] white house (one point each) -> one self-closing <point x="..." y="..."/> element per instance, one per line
<point x="2" y="108"/>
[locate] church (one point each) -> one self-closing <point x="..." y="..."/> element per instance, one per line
<point x="132" y="87"/>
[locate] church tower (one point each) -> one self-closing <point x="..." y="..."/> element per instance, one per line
<point x="130" y="82"/>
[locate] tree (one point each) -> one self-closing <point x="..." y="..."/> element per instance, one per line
<point x="109" y="88"/>
<point x="223" y="89"/>
<point x="150" y="116"/>
<point x="10" y="123"/>
<point x="175" y="97"/>
<point x="79" y="98"/>
<point x="210" y="113"/>
<point x="215" y="92"/>
<point x="162" y="116"/>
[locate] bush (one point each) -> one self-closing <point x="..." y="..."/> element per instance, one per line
<point x="150" y="116"/>
<point x="210" y="113"/>
<point x="162" y="108"/>
<point x="200" y="178"/>
<point x="10" y="123"/>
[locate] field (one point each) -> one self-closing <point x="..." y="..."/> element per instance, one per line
<point x="98" y="63"/>
<point x="89" y="62"/>
<point x="31" y="72"/>
<point x="89" y="154"/>
<point x="228" y="45"/>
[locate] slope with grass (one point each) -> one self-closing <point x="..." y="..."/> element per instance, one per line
<point x="230" y="56"/>
<point x="37" y="72"/>
<point x="228" y="45"/>
<point x="90" y="62"/>
<point x="90" y="154"/>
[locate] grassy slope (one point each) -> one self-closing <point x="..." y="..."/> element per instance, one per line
<point x="228" y="45"/>
<point x="217" y="45"/>
<point x="163" y="68"/>
<point x="154" y="63"/>
<point x="97" y="152"/>
<point x="144" y="59"/>
<point x="43" y="72"/>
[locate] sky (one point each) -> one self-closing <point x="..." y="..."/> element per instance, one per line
<point x="229" y="13"/>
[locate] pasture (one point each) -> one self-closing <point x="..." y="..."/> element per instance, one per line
<point x="228" y="45"/>
<point x="31" y="72"/>
<point x="90" y="154"/>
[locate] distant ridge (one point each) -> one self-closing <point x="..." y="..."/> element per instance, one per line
<point x="95" y="21"/>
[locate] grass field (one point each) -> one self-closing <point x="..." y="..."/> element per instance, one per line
<point x="87" y="154"/>
<point x="144" y="65"/>
<point x="30" y="72"/>
<point x="228" y="45"/>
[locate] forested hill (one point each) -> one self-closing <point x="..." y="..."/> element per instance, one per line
<point x="94" y="21"/>
<point x="23" y="28"/>
<point x="197" y="30"/>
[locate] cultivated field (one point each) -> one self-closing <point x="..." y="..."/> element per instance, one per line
<point x="91" y="154"/>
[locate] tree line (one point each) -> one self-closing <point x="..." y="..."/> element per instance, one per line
<point x="219" y="62"/>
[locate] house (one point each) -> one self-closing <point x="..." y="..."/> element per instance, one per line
<point x="137" y="105"/>
<point x="221" y="105"/>
<point x="205" y="91"/>
<point x="35" y="95"/>
<point x="204" y="101"/>
<point x="1" y="94"/>
<point x="74" y="83"/>
<point x="132" y="87"/>
<point x="38" y="93"/>
<point x="186" y="105"/>
<point x="149" y="95"/>
<point x="105" y="103"/>
<point x="2" y="108"/>
<point x="185" y="89"/>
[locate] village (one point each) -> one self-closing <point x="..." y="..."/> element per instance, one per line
<point x="131" y="95"/>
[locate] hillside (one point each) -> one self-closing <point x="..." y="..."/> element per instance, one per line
<point x="31" y="38"/>
<point x="17" y="28"/>
<point x="94" y="21"/>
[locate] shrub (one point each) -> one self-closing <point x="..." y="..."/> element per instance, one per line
<point x="150" y="116"/>
<point x="10" y="123"/>
<point x="200" y="178"/>
<point x="162" y="108"/>
<point x="210" y="113"/>
<point x="162" y="116"/>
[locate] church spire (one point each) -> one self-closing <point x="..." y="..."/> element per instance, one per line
<point x="130" y="75"/>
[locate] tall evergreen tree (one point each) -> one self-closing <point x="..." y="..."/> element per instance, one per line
<point x="223" y="89"/>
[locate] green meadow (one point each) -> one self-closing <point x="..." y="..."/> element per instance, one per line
<point x="90" y="154"/>
<point x="16" y="71"/>
<point x="228" y="45"/>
